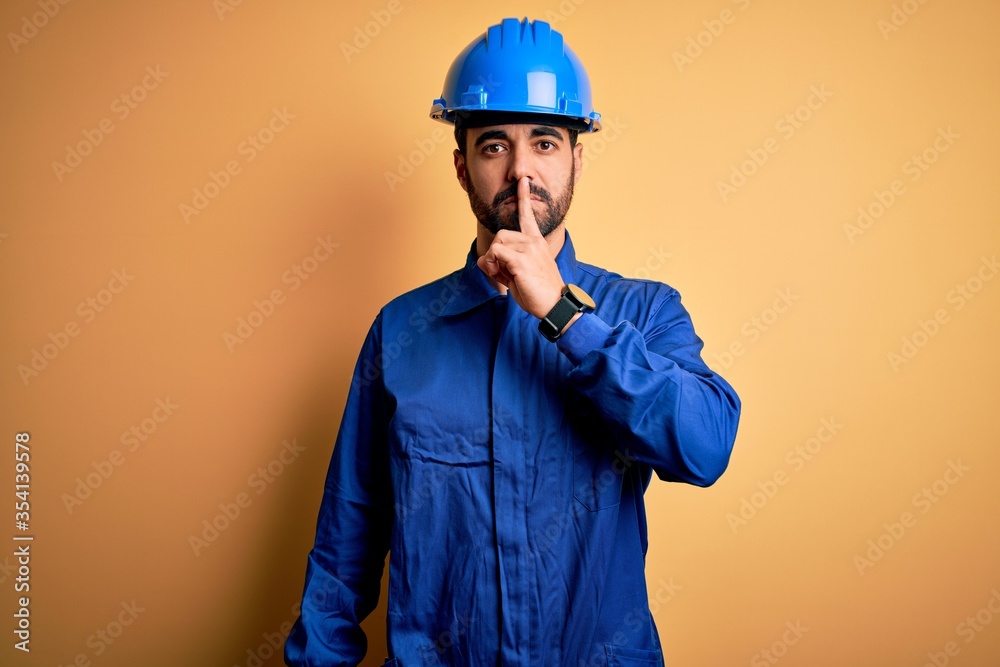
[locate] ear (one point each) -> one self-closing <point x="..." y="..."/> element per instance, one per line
<point x="578" y="161"/>
<point x="460" y="170"/>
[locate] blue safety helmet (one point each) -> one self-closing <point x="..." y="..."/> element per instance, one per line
<point x="518" y="67"/>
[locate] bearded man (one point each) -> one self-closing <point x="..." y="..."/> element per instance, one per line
<point x="504" y="421"/>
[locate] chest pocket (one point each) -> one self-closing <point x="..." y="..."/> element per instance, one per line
<point x="598" y="466"/>
<point x="624" y="656"/>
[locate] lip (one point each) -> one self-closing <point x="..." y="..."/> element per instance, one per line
<point x="513" y="200"/>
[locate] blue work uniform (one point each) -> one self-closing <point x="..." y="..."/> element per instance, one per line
<point x="505" y="475"/>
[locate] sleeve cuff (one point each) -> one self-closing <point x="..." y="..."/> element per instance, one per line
<point x="587" y="334"/>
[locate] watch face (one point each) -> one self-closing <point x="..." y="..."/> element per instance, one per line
<point x="582" y="296"/>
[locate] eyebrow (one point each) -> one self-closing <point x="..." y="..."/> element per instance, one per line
<point x="537" y="131"/>
<point x="545" y="131"/>
<point x="489" y="135"/>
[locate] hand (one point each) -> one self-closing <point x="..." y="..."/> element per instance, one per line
<point x="523" y="262"/>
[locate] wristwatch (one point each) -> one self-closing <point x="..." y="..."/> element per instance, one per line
<point x="574" y="300"/>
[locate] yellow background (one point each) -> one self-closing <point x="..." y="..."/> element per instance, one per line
<point x="674" y="130"/>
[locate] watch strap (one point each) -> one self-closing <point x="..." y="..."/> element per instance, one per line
<point x="551" y="326"/>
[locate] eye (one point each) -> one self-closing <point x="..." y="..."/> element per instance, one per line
<point x="546" y="145"/>
<point x="489" y="149"/>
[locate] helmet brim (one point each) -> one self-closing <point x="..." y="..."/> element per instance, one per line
<point x="468" y="119"/>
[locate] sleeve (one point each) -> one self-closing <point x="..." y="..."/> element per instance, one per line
<point x="344" y="567"/>
<point x="652" y="389"/>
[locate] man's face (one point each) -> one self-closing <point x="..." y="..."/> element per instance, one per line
<point x="497" y="156"/>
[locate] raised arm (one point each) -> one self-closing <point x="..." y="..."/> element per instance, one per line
<point x="662" y="403"/>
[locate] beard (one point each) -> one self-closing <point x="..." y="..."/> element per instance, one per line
<point x="492" y="217"/>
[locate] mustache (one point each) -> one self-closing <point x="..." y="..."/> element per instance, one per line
<point x="512" y="192"/>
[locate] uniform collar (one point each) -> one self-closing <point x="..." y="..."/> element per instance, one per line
<point x="474" y="289"/>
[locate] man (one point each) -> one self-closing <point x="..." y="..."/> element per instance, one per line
<point x="503" y="422"/>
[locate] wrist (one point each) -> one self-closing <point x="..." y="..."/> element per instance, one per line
<point x="573" y="303"/>
<point x="571" y="322"/>
<point x="542" y="311"/>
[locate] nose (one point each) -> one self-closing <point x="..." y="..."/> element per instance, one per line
<point x="521" y="164"/>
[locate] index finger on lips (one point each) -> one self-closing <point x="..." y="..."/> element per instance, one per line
<point x="526" y="216"/>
